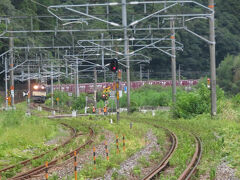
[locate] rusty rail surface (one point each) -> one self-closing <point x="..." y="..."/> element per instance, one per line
<point x="189" y="171"/>
<point x="164" y="162"/>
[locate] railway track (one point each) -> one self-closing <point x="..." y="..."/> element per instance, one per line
<point x="28" y="161"/>
<point x="40" y="169"/>
<point x="35" y="105"/>
<point x="164" y="162"/>
<point x="189" y="171"/>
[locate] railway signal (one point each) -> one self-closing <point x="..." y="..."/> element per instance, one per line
<point x="114" y="65"/>
<point x="208" y="83"/>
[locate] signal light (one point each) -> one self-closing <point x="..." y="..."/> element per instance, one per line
<point x="114" y="65"/>
<point x="35" y="87"/>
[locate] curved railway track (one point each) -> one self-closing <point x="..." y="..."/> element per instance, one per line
<point x="189" y="171"/>
<point x="28" y="161"/>
<point x="40" y="169"/>
<point x="164" y="162"/>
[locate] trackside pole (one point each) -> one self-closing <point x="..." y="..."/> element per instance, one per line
<point x="75" y="165"/>
<point x="6" y="85"/>
<point x="173" y="61"/>
<point x="126" y="50"/>
<point x="11" y="44"/>
<point x="212" y="60"/>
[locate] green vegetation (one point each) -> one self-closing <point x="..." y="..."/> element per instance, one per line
<point x="134" y="142"/>
<point x="229" y="74"/>
<point x="148" y="96"/>
<point x="190" y="104"/>
<point x="23" y="137"/>
<point x="67" y="103"/>
<point x="220" y="139"/>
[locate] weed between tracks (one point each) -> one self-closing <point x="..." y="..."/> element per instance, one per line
<point x="220" y="139"/>
<point x="134" y="142"/>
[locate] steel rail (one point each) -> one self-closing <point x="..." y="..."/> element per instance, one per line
<point x="164" y="162"/>
<point x="189" y="171"/>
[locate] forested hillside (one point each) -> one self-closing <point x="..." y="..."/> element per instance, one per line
<point x="195" y="56"/>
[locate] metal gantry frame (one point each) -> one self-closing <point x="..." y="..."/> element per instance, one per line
<point x="82" y="16"/>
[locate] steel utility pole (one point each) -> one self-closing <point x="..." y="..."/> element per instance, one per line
<point x="29" y="90"/>
<point x="11" y="44"/>
<point x="173" y="61"/>
<point x="52" y="83"/>
<point x="104" y="72"/>
<point x="95" y="88"/>
<point x="179" y="74"/>
<point x="140" y="72"/>
<point x="59" y="80"/>
<point x="126" y="50"/>
<point x="77" y="79"/>
<point x="212" y="61"/>
<point x="6" y="85"/>
<point x="117" y="92"/>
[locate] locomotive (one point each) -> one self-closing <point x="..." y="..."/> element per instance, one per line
<point x="39" y="93"/>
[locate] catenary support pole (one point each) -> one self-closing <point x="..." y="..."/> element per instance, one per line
<point x="29" y="90"/>
<point x="173" y="59"/>
<point x="77" y="79"/>
<point x="104" y="72"/>
<point x="11" y="44"/>
<point x="179" y="74"/>
<point x="117" y="92"/>
<point x="52" y="83"/>
<point x="140" y="72"/>
<point x="212" y="61"/>
<point x="126" y="50"/>
<point x="59" y="79"/>
<point x="95" y="88"/>
<point x="148" y="74"/>
<point x="6" y="83"/>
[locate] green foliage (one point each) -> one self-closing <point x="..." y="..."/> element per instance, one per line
<point x="22" y="137"/>
<point x="1" y="100"/>
<point x="229" y="74"/>
<point x="80" y="102"/>
<point x="190" y="104"/>
<point x="148" y="96"/>
<point x="236" y="99"/>
<point x="63" y="97"/>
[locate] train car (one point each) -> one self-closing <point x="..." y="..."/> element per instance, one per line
<point x="39" y="93"/>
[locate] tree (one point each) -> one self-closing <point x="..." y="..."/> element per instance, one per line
<point x="229" y="74"/>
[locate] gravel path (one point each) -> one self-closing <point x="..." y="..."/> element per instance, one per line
<point x="127" y="166"/>
<point x="224" y="172"/>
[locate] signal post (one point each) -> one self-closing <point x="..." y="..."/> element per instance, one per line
<point x="117" y="93"/>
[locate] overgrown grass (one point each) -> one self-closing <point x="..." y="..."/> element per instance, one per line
<point x="219" y="135"/>
<point x="22" y="137"/>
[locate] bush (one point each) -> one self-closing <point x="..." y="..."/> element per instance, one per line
<point x="229" y="74"/>
<point x="190" y="104"/>
<point x="80" y="102"/>
<point x="1" y="100"/>
<point x="236" y="99"/>
<point x="148" y="96"/>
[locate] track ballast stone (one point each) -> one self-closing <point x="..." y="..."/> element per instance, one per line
<point x="127" y="166"/>
<point x="224" y="172"/>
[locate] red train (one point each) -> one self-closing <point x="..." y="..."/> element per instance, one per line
<point x="89" y="87"/>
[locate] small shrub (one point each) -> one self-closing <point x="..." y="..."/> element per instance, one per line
<point x="80" y="102"/>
